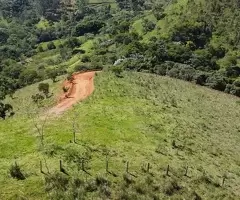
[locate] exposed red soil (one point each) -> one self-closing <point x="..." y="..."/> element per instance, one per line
<point x="79" y="87"/>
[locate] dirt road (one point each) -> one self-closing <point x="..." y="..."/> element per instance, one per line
<point x="79" y="87"/>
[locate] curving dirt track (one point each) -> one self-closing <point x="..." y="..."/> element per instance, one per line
<point x="79" y="87"/>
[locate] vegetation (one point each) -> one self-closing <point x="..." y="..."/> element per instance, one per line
<point x="141" y="136"/>
<point x="137" y="119"/>
<point x="149" y="35"/>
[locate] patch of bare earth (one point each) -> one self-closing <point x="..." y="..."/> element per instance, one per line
<point x="79" y="87"/>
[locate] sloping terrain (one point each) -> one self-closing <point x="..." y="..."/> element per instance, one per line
<point x="78" y="88"/>
<point x="137" y="119"/>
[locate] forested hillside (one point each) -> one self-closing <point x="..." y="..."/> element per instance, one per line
<point x="196" y="41"/>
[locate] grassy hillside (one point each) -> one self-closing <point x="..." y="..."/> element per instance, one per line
<point x="140" y="119"/>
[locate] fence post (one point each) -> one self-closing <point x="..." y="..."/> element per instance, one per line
<point x="60" y="165"/>
<point x="41" y="167"/>
<point x="148" y="167"/>
<point x="127" y="166"/>
<point x="223" y="181"/>
<point x="74" y="136"/>
<point x="83" y="165"/>
<point x="186" y="171"/>
<point x="107" y="164"/>
<point x="168" y="170"/>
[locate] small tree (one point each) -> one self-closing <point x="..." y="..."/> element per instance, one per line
<point x="52" y="74"/>
<point x="148" y="25"/>
<point x="216" y="81"/>
<point x="117" y="70"/>
<point x="37" y="98"/>
<point x="72" y="42"/>
<point x="39" y="122"/>
<point x="28" y="76"/>
<point x="51" y="45"/>
<point x="5" y="110"/>
<point x="44" y="87"/>
<point x="15" y="172"/>
<point x="40" y="49"/>
<point x="85" y="58"/>
<point x="65" y="53"/>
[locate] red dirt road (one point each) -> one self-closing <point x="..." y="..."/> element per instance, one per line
<point x="79" y="88"/>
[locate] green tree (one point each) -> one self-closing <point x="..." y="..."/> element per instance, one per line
<point x="117" y="70"/>
<point x="82" y="4"/>
<point x="5" y="110"/>
<point x="72" y="42"/>
<point x="52" y="74"/>
<point x="216" y="81"/>
<point x="28" y="76"/>
<point x="44" y="87"/>
<point x="51" y="46"/>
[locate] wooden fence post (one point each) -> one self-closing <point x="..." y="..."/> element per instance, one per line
<point x="168" y="170"/>
<point x="60" y="165"/>
<point x="74" y="137"/>
<point x="107" y="164"/>
<point x="41" y="167"/>
<point x="223" y="181"/>
<point x="83" y="165"/>
<point x="148" y="167"/>
<point x="127" y="166"/>
<point x="62" y="169"/>
<point x="186" y="171"/>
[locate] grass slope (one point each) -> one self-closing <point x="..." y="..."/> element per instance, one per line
<point x="139" y="118"/>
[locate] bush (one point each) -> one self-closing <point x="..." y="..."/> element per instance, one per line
<point x="158" y="11"/>
<point x="52" y="74"/>
<point x="160" y="69"/>
<point x="91" y="186"/>
<point x="187" y="73"/>
<point x="233" y="71"/>
<point x="15" y="172"/>
<point x="123" y="38"/>
<point x="200" y="78"/>
<point x="28" y="77"/>
<point x="117" y="70"/>
<point x="128" y="179"/>
<point x="234" y="89"/>
<point x="148" y="25"/>
<point x="72" y="42"/>
<point x="106" y="191"/>
<point x="91" y="26"/>
<point x="81" y="67"/>
<point x="171" y="188"/>
<point x="44" y="87"/>
<point x="65" y="53"/>
<point x="57" y="181"/>
<point x="75" y="51"/>
<point x="181" y="71"/>
<point x="88" y="67"/>
<point x="37" y="98"/>
<point x="40" y="49"/>
<point x="174" y="72"/>
<point x="65" y="89"/>
<point x="85" y="59"/>
<point x="216" y="81"/>
<point x="141" y="188"/>
<point x="100" y="180"/>
<point x="51" y="46"/>
<point x="6" y="110"/>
